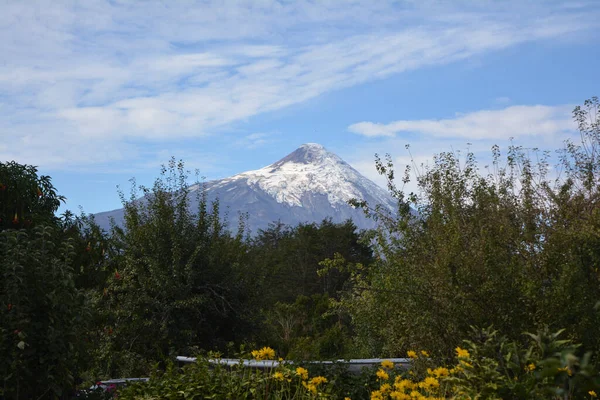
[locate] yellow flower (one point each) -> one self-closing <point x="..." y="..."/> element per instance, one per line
<point x="440" y="371"/>
<point x="462" y="353"/>
<point x="411" y="354"/>
<point x="376" y="395"/>
<point x="567" y="370"/>
<point x="424" y="353"/>
<point x="399" y="396"/>
<point x="386" y="387"/>
<point x="387" y="364"/>
<point x="592" y="393"/>
<point x="266" y="353"/>
<point x="302" y="373"/>
<point x="310" y="387"/>
<point x="347" y="398"/>
<point x="456" y="369"/>
<point x="415" y="395"/>
<point x="429" y="382"/>
<point x="381" y="374"/>
<point x="403" y="384"/>
<point x="530" y="367"/>
<point x="278" y="375"/>
<point x="317" y="380"/>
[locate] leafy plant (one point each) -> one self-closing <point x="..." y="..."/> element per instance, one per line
<point x="217" y="380"/>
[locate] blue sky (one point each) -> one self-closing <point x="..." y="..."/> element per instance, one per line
<point x="97" y="92"/>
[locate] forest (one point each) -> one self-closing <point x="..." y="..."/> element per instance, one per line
<point x="486" y="277"/>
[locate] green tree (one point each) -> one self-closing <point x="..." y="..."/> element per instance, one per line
<point x="295" y="298"/>
<point x="510" y="247"/>
<point x="286" y="259"/>
<point x="174" y="282"/>
<point x="26" y="199"/>
<point x="41" y="311"/>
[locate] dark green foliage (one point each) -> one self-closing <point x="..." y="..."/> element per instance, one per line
<point x="175" y="280"/>
<point x="546" y="367"/>
<point x="41" y="314"/>
<point x="199" y="381"/>
<point x="287" y="258"/>
<point x="204" y="380"/>
<point x="307" y="329"/>
<point x="26" y="199"/>
<point x="294" y="292"/>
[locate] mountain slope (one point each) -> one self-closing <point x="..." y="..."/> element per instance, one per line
<point x="307" y="185"/>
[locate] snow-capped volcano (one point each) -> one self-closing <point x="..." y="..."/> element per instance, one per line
<point x="310" y="170"/>
<point x="307" y="185"/>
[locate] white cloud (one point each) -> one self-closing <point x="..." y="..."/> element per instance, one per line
<point x="82" y="80"/>
<point x="535" y="128"/>
<point x="515" y="121"/>
<point x="502" y="100"/>
<point x="255" y="140"/>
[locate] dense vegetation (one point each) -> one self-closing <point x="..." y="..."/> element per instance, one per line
<point x="510" y="247"/>
<point x="489" y="254"/>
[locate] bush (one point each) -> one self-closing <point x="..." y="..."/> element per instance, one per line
<point x="492" y="367"/>
<point x="219" y="381"/>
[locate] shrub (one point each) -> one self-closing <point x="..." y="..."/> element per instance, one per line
<point x="219" y="381"/>
<point x="492" y="367"/>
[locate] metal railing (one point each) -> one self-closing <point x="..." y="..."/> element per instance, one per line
<point x="354" y="365"/>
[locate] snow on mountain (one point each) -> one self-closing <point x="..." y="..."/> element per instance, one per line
<point x="310" y="169"/>
<point x="307" y="185"/>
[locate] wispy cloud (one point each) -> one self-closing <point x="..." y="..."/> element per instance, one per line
<point x="515" y="121"/>
<point x="86" y="83"/>
<point x="414" y="143"/>
<point x="256" y="140"/>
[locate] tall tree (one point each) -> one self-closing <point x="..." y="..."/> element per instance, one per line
<point x="26" y="199"/>
<point x="41" y="311"/>
<point x="513" y="248"/>
<point x="175" y="280"/>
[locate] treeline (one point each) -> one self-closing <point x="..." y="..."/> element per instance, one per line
<point x="80" y="304"/>
<point x="514" y="245"/>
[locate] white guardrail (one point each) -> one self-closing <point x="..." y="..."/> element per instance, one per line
<point x="354" y="365"/>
